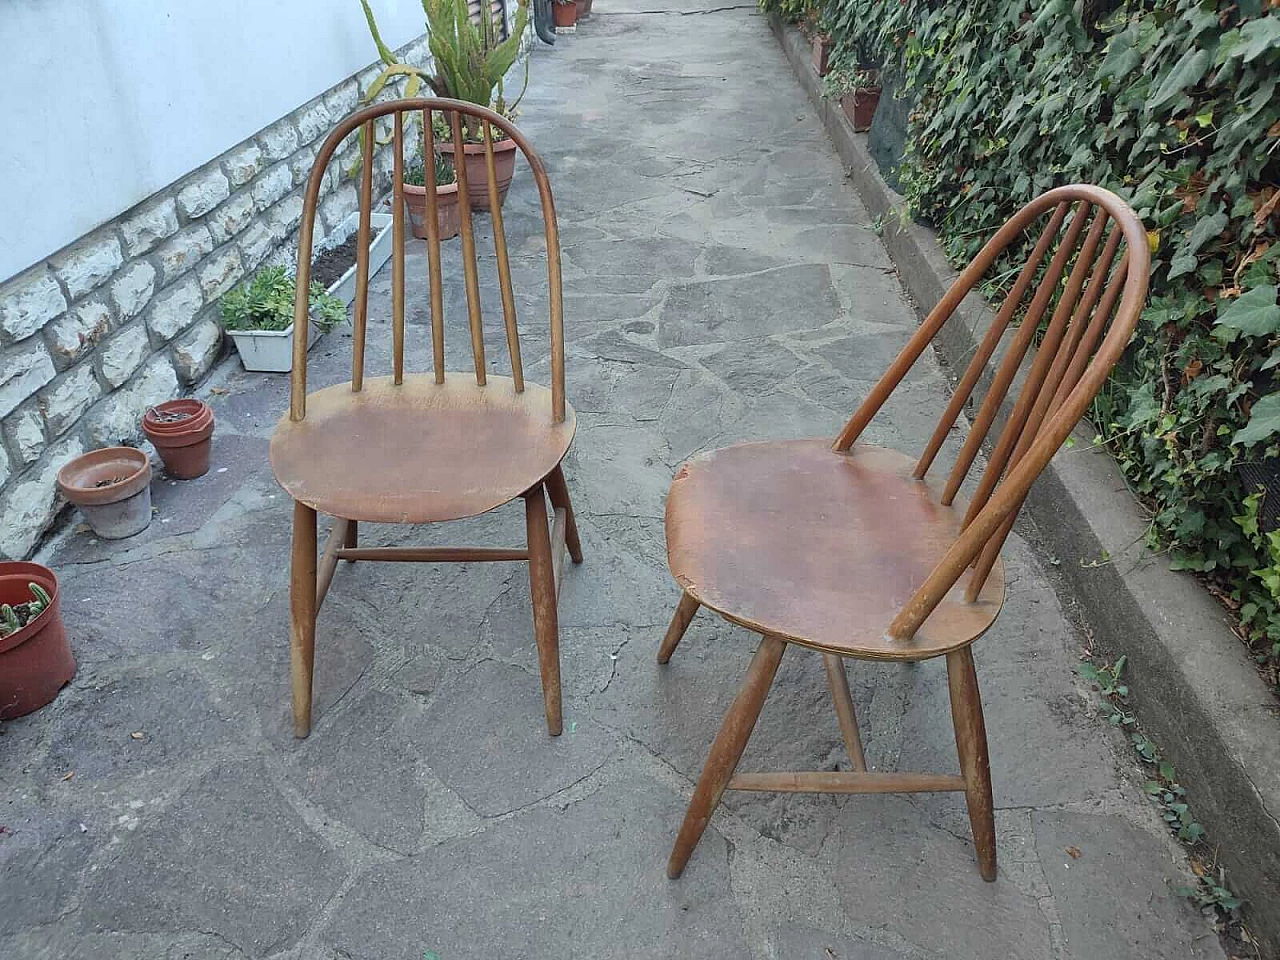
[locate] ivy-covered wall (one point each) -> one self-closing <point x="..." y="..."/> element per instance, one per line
<point x="1174" y="105"/>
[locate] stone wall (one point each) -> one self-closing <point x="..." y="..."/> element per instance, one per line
<point x="127" y="316"/>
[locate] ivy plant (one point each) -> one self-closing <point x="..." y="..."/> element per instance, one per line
<point x="1174" y="105"/>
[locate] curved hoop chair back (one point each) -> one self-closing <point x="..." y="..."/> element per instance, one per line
<point x="1101" y="259"/>
<point x="459" y="117"/>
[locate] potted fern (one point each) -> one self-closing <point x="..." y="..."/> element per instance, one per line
<point x="471" y="62"/>
<point x="258" y="316"/>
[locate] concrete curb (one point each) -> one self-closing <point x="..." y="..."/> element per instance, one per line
<point x="1192" y="684"/>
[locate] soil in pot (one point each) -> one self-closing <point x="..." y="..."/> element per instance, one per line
<point x="860" y="107"/>
<point x="182" y="433"/>
<point x="35" y="660"/>
<point x="448" y="212"/>
<point x="329" y="267"/>
<point x="112" y="488"/>
<point x="504" y="164"/>
<point x="564" y="14"/>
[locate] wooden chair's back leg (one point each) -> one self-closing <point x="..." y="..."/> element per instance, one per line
<point x="684" y="614"/>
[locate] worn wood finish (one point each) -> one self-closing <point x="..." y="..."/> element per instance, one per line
<point x="545" y="615"/>
<point x="558" y="492"/>
<point x="419" y="448"/>
<point x="434" y="554"/>
<point x="842" y="699"/>
<point x="329" y="561"/>
<point x="971" y="745"/>
<point x="727" y="750"/>
<point x="473" y="448"/>
<point x="470" y="271"/>
<point x="680" y="620"/>
<point x="302" y="615"/>
<point x="434" y="275"/>
<point x="504" y="265"/>
<point x="397" y="248"/>
<point x="770" y="535"/>
<point x="826" y="781"/>
<point x="854" y="551"/>
<point x="360" y="318"/>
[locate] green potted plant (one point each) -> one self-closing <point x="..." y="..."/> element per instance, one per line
<point x="565" y="14"/>
<point x="858" y="90"/>
<point x="258" y="316"/>
<point x="471" y="62"/>
<point x="448" y="214"/>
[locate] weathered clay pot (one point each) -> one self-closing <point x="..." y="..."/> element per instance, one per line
<point x="448" y="213"/>
<point x="821" y="54"/>
<point x="860" y="107"/>
<point x="583" y="9"/>
<point x="564" y="14"/>
<point x="35" y="662"/>
<point x="183" y="445"/>
<point x="504" y="164"/>
<point x="121" y="506"/>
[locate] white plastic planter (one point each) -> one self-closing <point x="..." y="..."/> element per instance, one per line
<point x="271" y="351"/>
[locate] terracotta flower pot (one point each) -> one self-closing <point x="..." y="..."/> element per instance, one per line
<point x="112" y="488"/>
<point x="821" y="54"/>
<point x="504" y="164"/>
<point x="184" y="444"/>
<point x="36" y="661"/>
<point x="582" y="12"/>
<point x="860" y="107"/>
<point x="565" y="14"/>
<point x="448" y="213"/>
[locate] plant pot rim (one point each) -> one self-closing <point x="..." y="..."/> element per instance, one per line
<point x="26" y="571"/>
<point x="100" y="460"/>
<point x="167" y="441"/>
<point x="287" y="331"/>
<point x="498" y="145"/>
<point x="442" y="190"/>
<point x="193" y="423"/>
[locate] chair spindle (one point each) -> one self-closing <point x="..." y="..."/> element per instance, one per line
<point x="504" y="264"/>
<point x="397" y="252"/>
<point x="362" y="257"/>
<point x="469" y="268"/>
<point x="435" y="274"/>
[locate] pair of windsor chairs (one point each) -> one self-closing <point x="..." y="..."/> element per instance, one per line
<point x="848" y="549"/>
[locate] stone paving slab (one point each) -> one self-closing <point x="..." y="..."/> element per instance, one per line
<point x="722" y="283"/>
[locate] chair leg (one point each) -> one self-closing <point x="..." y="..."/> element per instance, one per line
<point x="971" y="745"/>
<point x="684" y="614"/>
<point x="727" y="750"/>
<point x="353" y="536"/>
<point x="302" y="615"/>
<point x="838" y="681"/>
<point x="542" y="587"/>
<point x="558" y="491"/>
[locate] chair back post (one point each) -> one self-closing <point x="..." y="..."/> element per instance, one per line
<point x="366" y="120"/>
<point x="1069" y="368"/>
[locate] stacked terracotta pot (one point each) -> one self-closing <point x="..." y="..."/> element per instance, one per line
<point x="182" y="433"/>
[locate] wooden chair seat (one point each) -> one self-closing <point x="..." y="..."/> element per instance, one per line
<point x="419" y="452"/>
<point x="795" y="540"/>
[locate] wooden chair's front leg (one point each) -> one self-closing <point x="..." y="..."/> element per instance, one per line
<point x="727" y="750"/>
<point x="546" y="620"/>
<point x="302" y="615"/>
<point x="971" y="745"/>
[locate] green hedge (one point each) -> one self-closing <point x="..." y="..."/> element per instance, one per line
<point x="1173" y="105"/>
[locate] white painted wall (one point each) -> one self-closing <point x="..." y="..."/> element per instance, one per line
<point x="107" y="101"/>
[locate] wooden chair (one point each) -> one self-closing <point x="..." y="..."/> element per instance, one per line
<point x="854" y="551"/>
<point x="421" y="448"/>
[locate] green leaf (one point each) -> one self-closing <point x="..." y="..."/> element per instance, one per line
<point x="1254" y="313"/>
<point x="1264" y="421"/>
<point x="1258" y="36"/>
<point x="1206" y="229"/>
<point x="1187" y="72"/>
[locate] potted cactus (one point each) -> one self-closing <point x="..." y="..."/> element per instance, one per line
<point x="258" y="316"/>
<point x="35" y="658"/>
<point x="448" y="214"/>
<point x="471" y="61"/>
